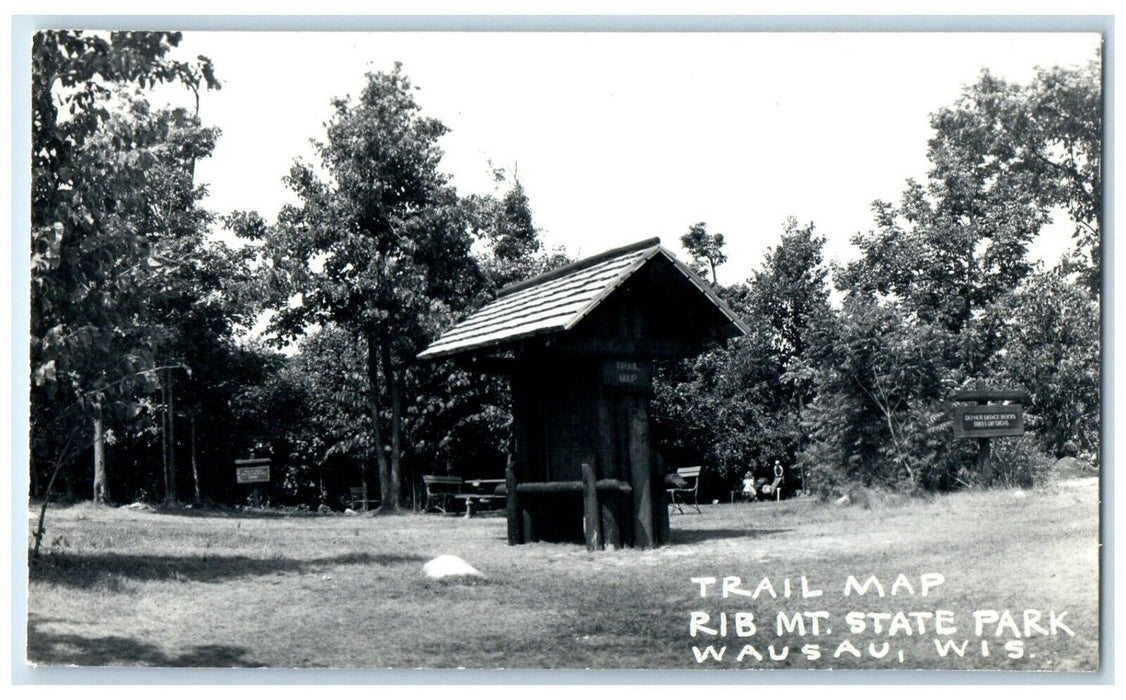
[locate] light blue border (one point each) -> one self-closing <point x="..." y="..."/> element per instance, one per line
<point x="24" y="25"/>
<point x="577" y="23"/>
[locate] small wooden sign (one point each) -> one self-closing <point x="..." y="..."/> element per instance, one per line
<point x="252" y="475"/>
<point x="988" y="420"/>
<point x="630" y="374"/>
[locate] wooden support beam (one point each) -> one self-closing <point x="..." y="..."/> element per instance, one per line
<point x="550" y="487"/>
<point x="527" y="521"/>
<point x="984" y="463"/>
<point x="611" y="533"/>
<point x="591" y="530"/>
<point x="512" y="503"/>
<point x="661" y="502"/>
<point x="608" y="468"/>
<point x="522" y="407"/>
<point x="984" y="395"/>
<point x="572" y="486"/>
<point x="640" y="477"/>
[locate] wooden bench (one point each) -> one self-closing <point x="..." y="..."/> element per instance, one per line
<point x="356" y="498"/>
<point x="439" y="491"/>
<point x="678" y="495"/>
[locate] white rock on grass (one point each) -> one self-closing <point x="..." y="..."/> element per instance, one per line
<point x="449" y="566"/>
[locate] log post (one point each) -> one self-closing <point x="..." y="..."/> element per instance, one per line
<point x="641" y="477"/>
<point x="512" y="504"/>
<point x="591" y="530"/>
<point x="984" y="463"/>
<point x="661" y="511"/>
<point x="101" y="491"/>
<point x="522" y="384"/>
<point x="528" y="520"/>
<point x="611" y="533"/>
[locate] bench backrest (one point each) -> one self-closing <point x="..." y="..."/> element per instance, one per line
<point x="442" y="484"/>
<point x="689" y="472"/>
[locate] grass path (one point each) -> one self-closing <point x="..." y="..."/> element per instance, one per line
<point x="119" y="587"/>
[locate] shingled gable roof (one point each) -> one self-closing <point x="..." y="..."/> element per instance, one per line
<point x="556" y="301"/>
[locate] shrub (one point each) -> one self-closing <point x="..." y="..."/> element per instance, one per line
<point x="1019" y="461"/>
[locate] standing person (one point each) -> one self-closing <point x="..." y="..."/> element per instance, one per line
<point x="779" y="479"/>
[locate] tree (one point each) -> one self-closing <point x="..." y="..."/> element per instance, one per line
<point x="948" y="251"/>
<point x="735" y="406"/>
<point x="1045" y="137"/>
<point x="1052" y="343"/>
<point x="93" y="147"/>
<point x="328" y="424"/>
<point x="790" y="293"/>
<point x="880" y="376"/>
<point x="92" y="150"/>
<point x="947" y="270"/>
<point x="705" y="248"/>
<point x="378" y="245"/>
<point x="461" y="420"/>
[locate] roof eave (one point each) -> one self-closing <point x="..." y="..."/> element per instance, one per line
<point x="709" y="292"/>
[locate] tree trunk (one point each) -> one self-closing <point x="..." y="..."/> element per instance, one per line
<point x="34" y="476"/>
<point x="195" y="469"/>
<point x="164" y="432"/>
<point x="101" y="490"/>
<point x="171" y="494"/>
<point x="388" y="490"/>
<point x="393" y="385"/>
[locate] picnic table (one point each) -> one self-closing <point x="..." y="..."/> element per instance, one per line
<point x="483" y="491"/>
<point x="441" y="489"/>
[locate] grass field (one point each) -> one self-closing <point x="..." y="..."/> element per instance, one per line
<point x="122" y="587"/>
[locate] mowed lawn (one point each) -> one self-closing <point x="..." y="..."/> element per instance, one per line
<point x="122" y="587"/>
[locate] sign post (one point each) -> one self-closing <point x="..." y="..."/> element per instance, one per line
<point x="253" y="471"/>
<point x="987" y="420"/>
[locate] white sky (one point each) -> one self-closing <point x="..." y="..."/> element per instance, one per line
<point x="618" y="137"/>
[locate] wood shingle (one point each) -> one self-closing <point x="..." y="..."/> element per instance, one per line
<point x="558" y="300"/>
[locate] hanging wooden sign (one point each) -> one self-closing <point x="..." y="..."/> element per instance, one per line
<point x="988" y="420"/>
<point x="252" y="471"/>
<point x="630" y="374"/>
<point x="252" y="475"/>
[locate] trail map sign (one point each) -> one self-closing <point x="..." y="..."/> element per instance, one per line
<point x="633" y="374"/>
<point x="988" y="420"/>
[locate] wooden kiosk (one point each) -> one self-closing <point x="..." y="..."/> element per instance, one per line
<point x="578" y="344"/>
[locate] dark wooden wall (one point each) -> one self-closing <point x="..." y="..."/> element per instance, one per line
<point x="566" y="414"/>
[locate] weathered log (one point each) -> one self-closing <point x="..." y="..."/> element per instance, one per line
<point x="591" y="530"/>
<point x="512" y="503"/>
<point x="572" y="486"/>
<point x="641" y="477"/>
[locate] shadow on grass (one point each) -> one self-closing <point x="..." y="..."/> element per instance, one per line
<point x="227" y="513"/>
<point x="697" y="536"/>
<point x="82" y="570"/>
<point x="75" y="650"/>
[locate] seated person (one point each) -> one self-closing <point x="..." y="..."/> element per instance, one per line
<point x="749" y="486"/>
<point x="676" y="481"/>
